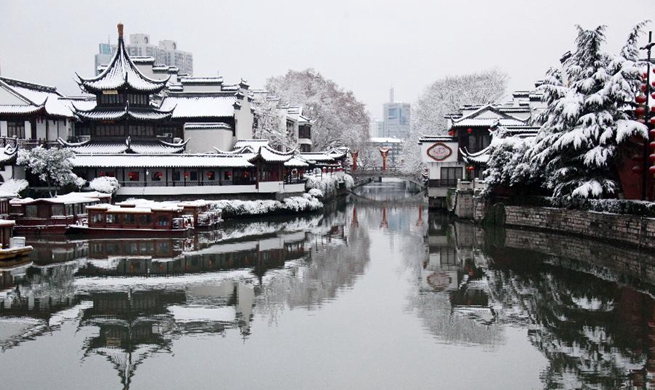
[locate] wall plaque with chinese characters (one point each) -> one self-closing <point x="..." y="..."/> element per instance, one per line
<point x="439" y="151"/>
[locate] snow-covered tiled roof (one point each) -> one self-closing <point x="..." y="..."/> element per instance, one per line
<point x="202" y="80"/>
<point x="38" y="95"/>
<point x="487" y="122"/>
<point x="316" y="157"/>
<point x="199" y="106"/>
<point x="143" y="114"/>
<point x="296" y="161"/>
<point x="160" y="161"/>
<point x="123" y="146"/>
<point x="267" y="154"/>
<point x="207" y="126"/>
<point x="21" y="110"/>
<point x="121" y="73"/>
<point x="436" y="138"/>
<point x="254" y="144"/>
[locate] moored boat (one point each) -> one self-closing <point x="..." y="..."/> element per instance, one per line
<point x="52" y="215"/>
<point x="135" y="219"/>
<point x="12" y="247"/>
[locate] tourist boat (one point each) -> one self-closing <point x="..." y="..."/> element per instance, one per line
<point x="204" y="215"/>
<point x="52" y="215"/>
<point x="135" y="219"/>
<point x="12" y="247"/>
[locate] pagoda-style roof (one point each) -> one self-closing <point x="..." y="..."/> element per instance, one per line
<point x="121" y="74"/>
<point x="487" y="116"/>
<point x="127" y="112"/>
<point x="23" y="98"/>
<point x="126" y="146"/>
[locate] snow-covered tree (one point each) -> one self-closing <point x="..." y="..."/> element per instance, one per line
<point x="507" y="166"/>
<point x="105" y="184"/>
<point x="270" y="125"/>
<point x="587" y="118"/>
<point x="447" y="95"/>
<point x="338" y="118"/>
<point x="52" y="166"/>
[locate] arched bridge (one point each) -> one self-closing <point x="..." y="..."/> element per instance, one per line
<point x="366" y="176"/>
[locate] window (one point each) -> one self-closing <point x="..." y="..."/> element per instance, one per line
<point x="57" y="209"/>
<point x="162" y="220"/>
<point x="31" y="211"/>
<point x="193" y="175"/>
<point x="449" y="175"/>
<point x="176" y="176"/>
<point x="227" y="175"/>
<point x="392" y="113"/>
<point x="211" y="176"/>
<point x="97" y="218"/>
<point x="129" y="219"/>
<point x="145" y="220"/>
<point x="111" y="219"/>
<point x="157" y="176"/>
<point x="16" y="129"/>
<point x="133" y="176"/>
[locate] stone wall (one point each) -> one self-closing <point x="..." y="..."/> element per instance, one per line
<point x="628" y="229"/>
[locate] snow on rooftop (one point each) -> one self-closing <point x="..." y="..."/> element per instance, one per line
<point x="199" y="106"/>
<point x="161" y="161"/>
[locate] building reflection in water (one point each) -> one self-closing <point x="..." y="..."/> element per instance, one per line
<point x="140" y="295"/>
<point x="586" y="305"/>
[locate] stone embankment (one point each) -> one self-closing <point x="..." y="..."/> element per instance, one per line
<point x="633" y="230"/>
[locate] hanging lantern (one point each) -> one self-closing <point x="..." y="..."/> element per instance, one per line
<point x="644" y="87"/>
<point x="469" y="130"/>
<point x="641" y="110"/>
<point x="470" y="168"/>
<point x="186" y="174"/>
<point x="652" y="145"/>
<point x="451" y="133"/>
<point x="641" y="99"/>
<point x="638" y="169"/>
<point x="651" y="158"/>
<point x="651" y="169"/>
<point x="644" y="75"/>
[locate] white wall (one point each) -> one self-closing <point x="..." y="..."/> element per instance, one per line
<point x="3" y="128"/>
<point x="204" y="140"/>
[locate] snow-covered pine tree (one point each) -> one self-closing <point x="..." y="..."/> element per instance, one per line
<point x="576" y="148"/>
<point x="507" y="166"/>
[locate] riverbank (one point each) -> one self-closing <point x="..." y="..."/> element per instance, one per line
<point x="636" y="229"/>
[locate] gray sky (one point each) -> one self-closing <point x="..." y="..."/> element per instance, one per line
<point x="365" y="46"/>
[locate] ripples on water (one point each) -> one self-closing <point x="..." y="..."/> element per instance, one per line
<point x="375" y="293"/>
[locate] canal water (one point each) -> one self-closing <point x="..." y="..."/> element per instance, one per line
<point x="376" y="293"/>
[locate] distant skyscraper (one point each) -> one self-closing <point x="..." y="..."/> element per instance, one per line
<point x="396" y="119"/>
<point x="165" y="53"/>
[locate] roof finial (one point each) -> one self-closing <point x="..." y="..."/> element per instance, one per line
<point x="120" y="30"/>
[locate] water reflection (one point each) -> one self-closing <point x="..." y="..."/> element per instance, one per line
<point x="372" y="269"/>
<point x="587" y="306"/>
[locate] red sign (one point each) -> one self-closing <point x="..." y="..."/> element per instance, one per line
<point x="439" y="151"/>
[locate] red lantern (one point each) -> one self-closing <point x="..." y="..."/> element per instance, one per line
<point x="469" y="130"/>
<point x="470" y="168"/>
<point x="644" y="87"/>
<point x="641" y="110"/>
<point x="652" y="145"/>
<point x="641" y="99"/>
<point x="186" y="174"/>
<point x="638" y="169"/>
<point x="651" y="158"/>
<point x="651" y="169"/>
<point x="451" y="133"/>
<point x="644" y="75"/>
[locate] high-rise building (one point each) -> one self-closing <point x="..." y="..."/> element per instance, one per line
<point x="165" y="53"/>
<point x="396" y="119"/>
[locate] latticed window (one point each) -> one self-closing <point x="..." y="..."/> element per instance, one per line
<point x="16" y="129"/>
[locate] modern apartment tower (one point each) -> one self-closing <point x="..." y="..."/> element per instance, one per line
<point x="165" y="53"/>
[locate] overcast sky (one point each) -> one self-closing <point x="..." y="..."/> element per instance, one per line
<point x="365" y="46"/>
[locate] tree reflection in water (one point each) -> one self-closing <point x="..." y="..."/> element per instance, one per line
<point x="586" y="305"/>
